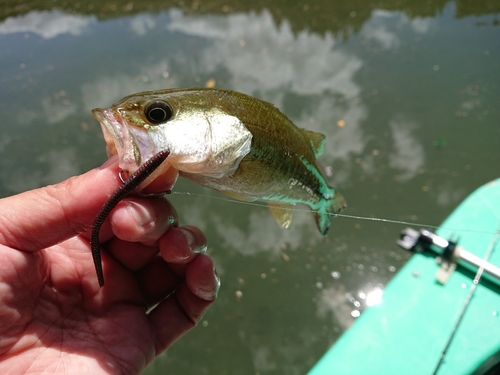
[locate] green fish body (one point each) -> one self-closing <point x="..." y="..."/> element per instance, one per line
<point x="228" y="141"/>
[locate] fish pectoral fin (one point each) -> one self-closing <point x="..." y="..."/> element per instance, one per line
<point x="282" y="213"/>
<point x="317" y="141"/>
<point x="240" y="197"/>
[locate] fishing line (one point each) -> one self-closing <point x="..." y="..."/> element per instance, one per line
<point x="355" y="217"/>
<point x="472" y="289"/>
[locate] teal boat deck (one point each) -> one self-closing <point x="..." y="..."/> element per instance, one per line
<point x="408" y="331"/>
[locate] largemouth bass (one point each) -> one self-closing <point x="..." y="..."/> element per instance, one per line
<point x="225" y="140"/>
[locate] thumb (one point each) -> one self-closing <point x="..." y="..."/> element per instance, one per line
<point x="43" y="217"/>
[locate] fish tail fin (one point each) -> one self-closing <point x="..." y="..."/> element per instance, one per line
<point x="329" y="208"/>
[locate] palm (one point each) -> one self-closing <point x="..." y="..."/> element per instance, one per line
<point x="63" y="313"/>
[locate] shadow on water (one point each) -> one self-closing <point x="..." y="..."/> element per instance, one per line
<point x="406" y="93"/>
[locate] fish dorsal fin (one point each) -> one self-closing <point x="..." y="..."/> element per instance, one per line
<point x="282" y="213"/>
<point x="317" y="141"/>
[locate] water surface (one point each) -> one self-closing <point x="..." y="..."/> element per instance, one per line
<point x="408" y="98"/>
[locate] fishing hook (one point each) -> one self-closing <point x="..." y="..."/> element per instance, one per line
<point x="158" y="194"/>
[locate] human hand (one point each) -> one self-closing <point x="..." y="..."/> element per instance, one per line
<point x="54" y="316"/>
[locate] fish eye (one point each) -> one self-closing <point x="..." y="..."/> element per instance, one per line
<point x="158" y="112"/>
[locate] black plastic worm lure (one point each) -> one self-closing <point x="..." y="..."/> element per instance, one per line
<point x="125" y="189"/>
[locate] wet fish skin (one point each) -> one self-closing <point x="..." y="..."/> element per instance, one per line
<point x="278" y="167"/>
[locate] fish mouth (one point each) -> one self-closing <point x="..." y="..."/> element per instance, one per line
<point x="132" y="144"/>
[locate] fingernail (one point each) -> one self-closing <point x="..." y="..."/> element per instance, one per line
<point x="141" y="215"/>
<point x="217" y="283"/>
<point x="208" y="293"/>
<point x="191" y="240"/>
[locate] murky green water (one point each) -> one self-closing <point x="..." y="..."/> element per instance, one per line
<point x="408" y="96"/>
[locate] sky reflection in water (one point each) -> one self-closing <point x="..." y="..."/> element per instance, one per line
<point x="410" y="120"/>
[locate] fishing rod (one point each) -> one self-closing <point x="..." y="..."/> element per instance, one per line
<point x="450" y="254"/>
